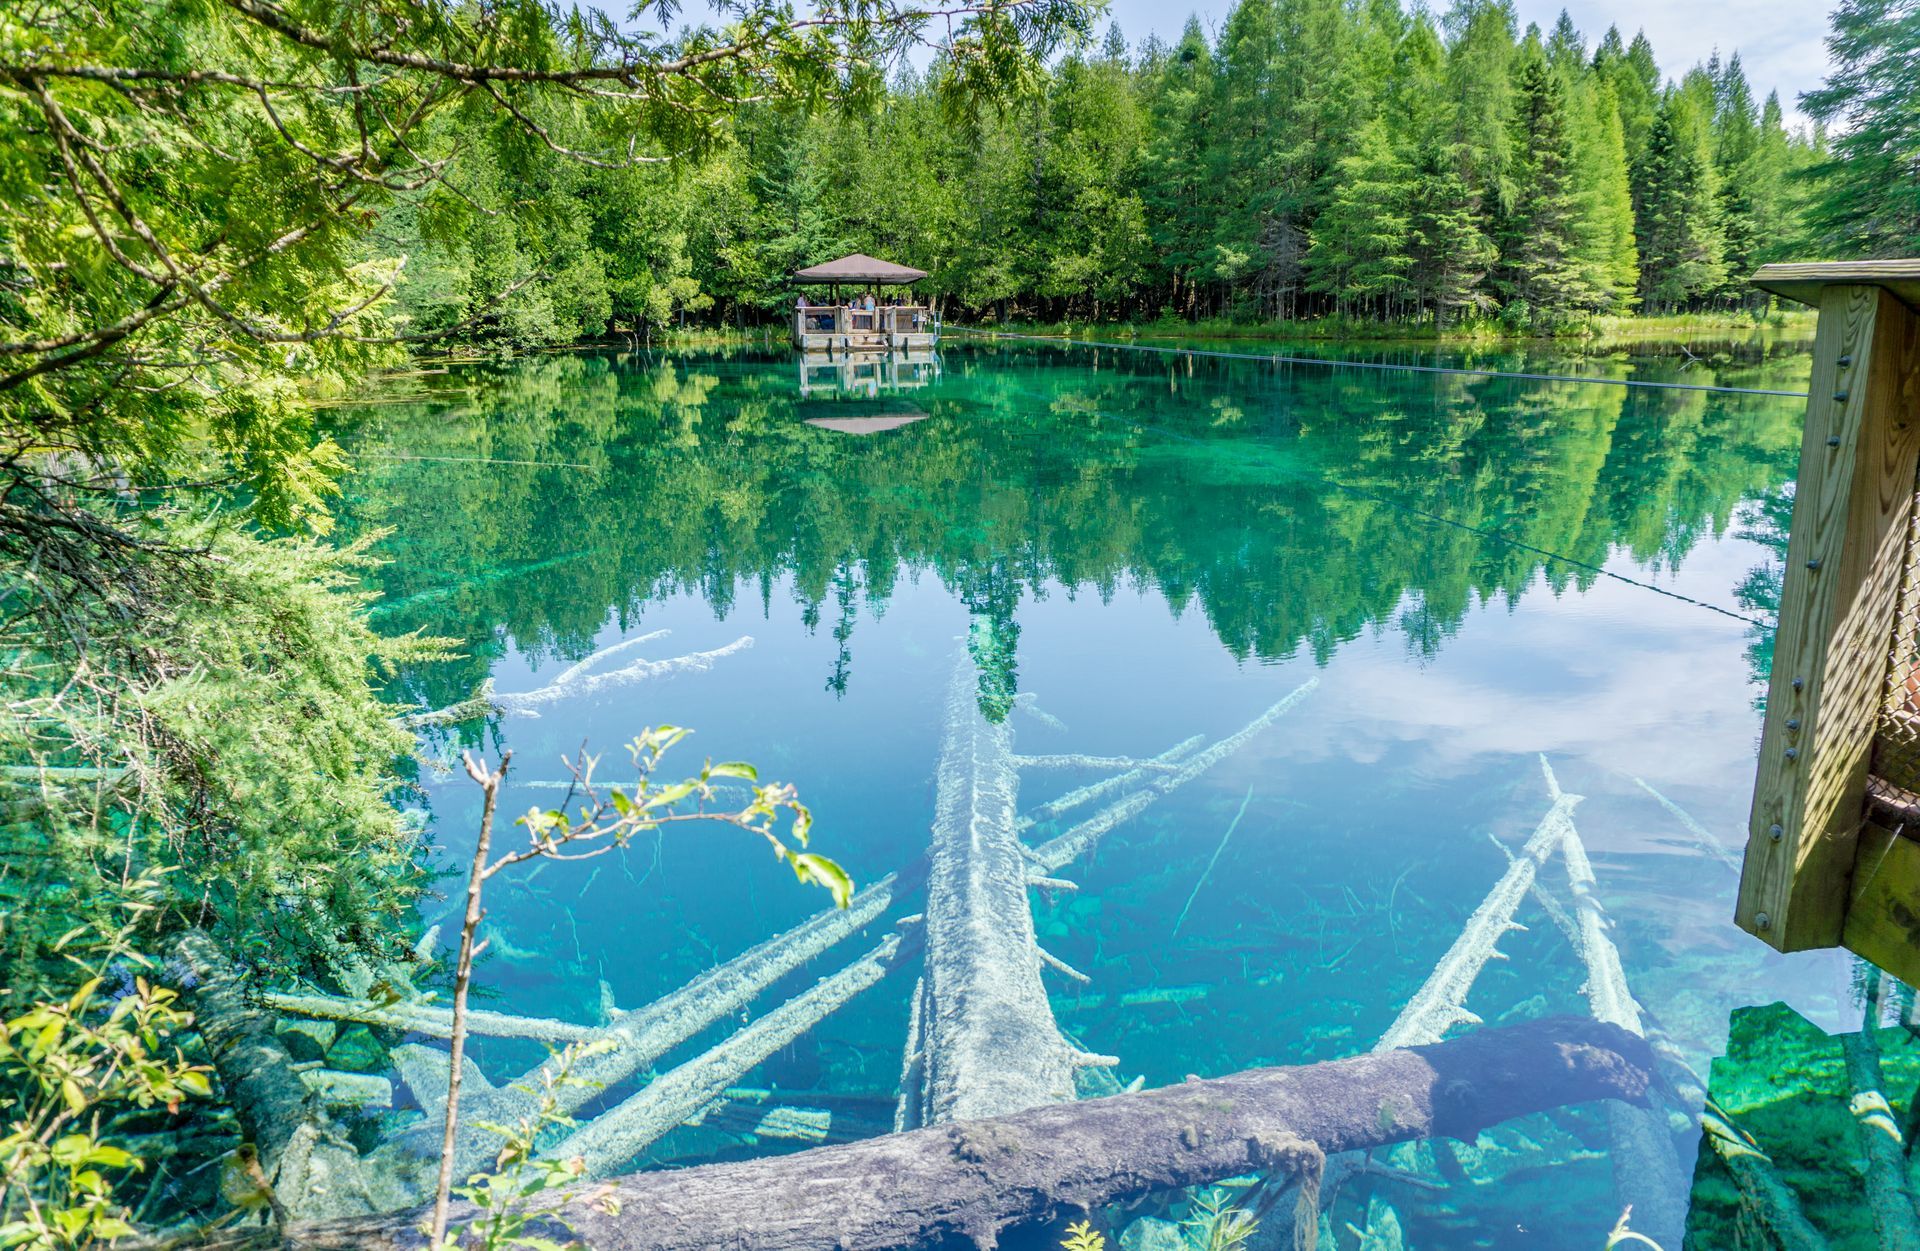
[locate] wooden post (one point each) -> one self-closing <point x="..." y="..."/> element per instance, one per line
<point x="1852" y="508"/>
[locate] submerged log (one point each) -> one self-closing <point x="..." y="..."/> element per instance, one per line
<point x="1059" y="851"/>
<point x="624" y="1131"/>
<point x="424" y="1018"/>
<point x="1083" y="761"/>
<point x="577" y="681"/>
<point x="1708" y="839"/>
<point x="1647" y="1176"/>
<point x="311" y="1169"/>
<point x="973" y="1180"/>
<point x="1082" y="795"/>
<point x="644" y="1035"/>
<point x="1440" y="1003"/>
<point x="987" y="1042"/>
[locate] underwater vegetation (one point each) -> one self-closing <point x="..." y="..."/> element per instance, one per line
<point x="1810" y="1134"/>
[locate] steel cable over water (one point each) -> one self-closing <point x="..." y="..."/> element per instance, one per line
<point x="1279" y="359"/>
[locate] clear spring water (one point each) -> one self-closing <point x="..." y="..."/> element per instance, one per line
<point x="1478" y="570"/>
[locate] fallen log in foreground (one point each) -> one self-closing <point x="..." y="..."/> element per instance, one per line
<point x="310" y="1167"/>
<point x="973" y="1179"/>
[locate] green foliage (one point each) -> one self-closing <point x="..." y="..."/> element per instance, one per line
<point x="1081" y="1236"/>
<point x="1215" y="1222"/>
<point x="519" y="1175"/>
<point x="74" y="1071"/>
<point x="610" y="817"/>
<point x="1542" y="239"/>
<point x="1681" y="245"/>
<point x="208" y="719"/>
<point x="1361" y="241"/>
<point x="1317" y="157"/>
<point x="1868" y="200"/>
<point x="212" y="215"/>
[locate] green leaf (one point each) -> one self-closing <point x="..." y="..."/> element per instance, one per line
<point x="734" y="769"/>
<point x="809" y="867"/>
<point x="108" y="1156"/>
<point x="71" y="1149"/>
<point x="667" y="796"/>
<point x="81" y="996"/>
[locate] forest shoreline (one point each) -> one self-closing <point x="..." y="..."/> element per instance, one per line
<point x="1600" y="334"/>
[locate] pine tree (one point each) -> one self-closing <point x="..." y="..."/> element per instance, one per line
<point x="1609" y="255"/>
<point x="1359" y="249"/>
<point x="1479" y="83"/>
<point x="1677" y="198"/>
<point x="1868" y="197"/>
<point x="1566" y="47"/>
<point x="1449" y="252"/>
<point x="1246" y="149"/>
<point x="1776" y="193"/>
<point x="1635" y="78"/>
<point x="1736" y="143"/>
<point x="1181" y="200"/>
<point x="1540" y="260"/>
<point x="1323" y="96"/>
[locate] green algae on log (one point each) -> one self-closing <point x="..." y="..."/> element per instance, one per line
<point x="1782" y="1140"/>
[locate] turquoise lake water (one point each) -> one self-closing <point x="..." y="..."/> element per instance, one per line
<point x="1477" y="572"/>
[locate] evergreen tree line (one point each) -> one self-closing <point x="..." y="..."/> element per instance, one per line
<point x="1313" y="157"/>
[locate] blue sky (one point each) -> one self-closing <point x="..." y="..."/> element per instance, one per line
<point x="1781" y="42"/>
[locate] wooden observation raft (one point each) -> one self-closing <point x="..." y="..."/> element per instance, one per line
<point x="844" y="328"/>
<point x="1833" y="851"/>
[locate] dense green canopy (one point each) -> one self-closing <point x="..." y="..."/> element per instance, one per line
<point x="1314" y="156"/>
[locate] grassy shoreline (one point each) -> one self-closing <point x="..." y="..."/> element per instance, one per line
<point x="1600" y="333"/>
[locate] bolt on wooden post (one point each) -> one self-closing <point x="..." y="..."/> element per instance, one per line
<point x="1852" y="514"/>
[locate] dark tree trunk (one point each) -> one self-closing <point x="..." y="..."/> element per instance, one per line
<point x="973" y="1179"/>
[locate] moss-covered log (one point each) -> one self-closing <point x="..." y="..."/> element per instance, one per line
<point x="972" y="1180"/>
<point x="306" y="1161"/>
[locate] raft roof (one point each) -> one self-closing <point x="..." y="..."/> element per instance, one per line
<point x="859" y="268"/>
<point x="868" y="425"/>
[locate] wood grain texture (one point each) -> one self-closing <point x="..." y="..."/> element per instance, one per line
<point x="1883" y="917"/>
<point x="1806" y="283"/>
<point x="949" y="1185"/>
<point x="1852" y="506"/>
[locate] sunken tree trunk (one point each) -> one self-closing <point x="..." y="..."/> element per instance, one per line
<point x="974" y="1179"/>
<point x="988" y="1042"/>
<point x="307" y="1166"/>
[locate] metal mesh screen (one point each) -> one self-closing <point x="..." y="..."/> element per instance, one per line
<point x="1894" y="784"/>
